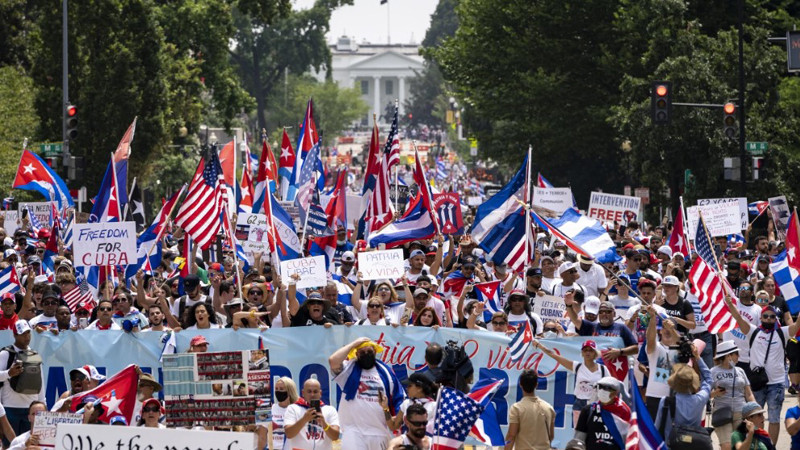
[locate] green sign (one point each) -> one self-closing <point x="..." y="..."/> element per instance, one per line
<point x="49" y="150"/>
<point x="756" y="148"/>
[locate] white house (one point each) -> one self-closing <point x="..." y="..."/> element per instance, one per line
<point x="380" y="71"/>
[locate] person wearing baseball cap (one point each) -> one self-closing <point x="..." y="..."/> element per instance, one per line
<point x="8" y="304"/>
<point x="342" y="245"/>
<point x="606" y="326"/>
<point x="591" y="427"/>
<point x="518" y="309"/>
<point x="194" y="295"/>
<point x="568" y="271"/>
<point x="678" y="307"/>
<point x="548" y="266"/>
<point x="533" y="281"/>
<point x="21" y="367"/>
<point x="417" y="261"/>
<point x="346" y="268"/>
<point x="587" y="372"/>
<point x="592" y="276"/>
<point x="198" y="344"/>
<point x="152" y="410"/>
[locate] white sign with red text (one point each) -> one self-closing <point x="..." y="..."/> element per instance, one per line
<point x="614" y="208"/>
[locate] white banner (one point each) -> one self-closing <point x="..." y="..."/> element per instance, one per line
<point x="312" y="271"/>
<point x="96" y="437"/>
<point x="353" y="209"/>
<point x="104" y="244"/>
<point x="721" y="219"/>
<point x="614" y="208"/>
<point x="549" y="307"/>
<point x="46" y="423"/>
<point x="381" y="264"/>
<point x="742" y="202"/>
<point x="554" y="199"/>
<point x="474" y="200"/>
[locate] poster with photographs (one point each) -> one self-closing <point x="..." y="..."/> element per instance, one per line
<point x="217" y="389"/>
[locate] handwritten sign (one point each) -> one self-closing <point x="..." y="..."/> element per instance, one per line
<point x="251" y="231"/>
<point x="381" y="264"/>
<point x="549" y="307"/>
<point x="312" y="271"/>
<point x="474" y="200"/>
<point x="721" y="219"/>
<point x="46" y="423"/>
<point x="448" y="208"/>
<point x="554" y="199"/>
<point x="741" y="201"/>
<point x="74" y="437"/>
<point x="614" y="208"/>
<point x="104" y="244"/>
<point x="41" y="210"/>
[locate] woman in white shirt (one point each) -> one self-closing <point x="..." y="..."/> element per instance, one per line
<point x="151" y="413"/>
<point x="375" y="313"/>
<point x="587" y="373"/>
<point x="285" y="395"/>
<point x="200" y="318"/>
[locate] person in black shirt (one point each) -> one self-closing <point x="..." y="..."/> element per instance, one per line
<point x="678" y="308"/>
<point x="314" y="311"/>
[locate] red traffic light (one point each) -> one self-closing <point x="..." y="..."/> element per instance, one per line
<point x="71" y="110"/>
<point x="661" y="90"/>
<point x="729" y="108"/>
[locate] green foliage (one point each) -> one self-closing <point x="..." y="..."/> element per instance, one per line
<point x="16" y="107"/>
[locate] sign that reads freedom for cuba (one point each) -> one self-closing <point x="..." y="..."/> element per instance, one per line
<point x="104" y="244"/>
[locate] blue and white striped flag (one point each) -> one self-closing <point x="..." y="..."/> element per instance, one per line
<point x="9" y="281"/>
<point x="521" y="341"/>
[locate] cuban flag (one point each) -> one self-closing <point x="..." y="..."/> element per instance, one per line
<point x="324" y="246"/>
<point x="500" y="205"/>
<point x="287" y="160"/>
<point x="33" y="174"/>
<point x="66" y="232"/>
<point x="786" y="268"/>
<point x="288" y="245"/>
<point x="642" y="432"/>
<point x="489" y="294"/>
<point x="487" y="427"/>
<point x="305" y="141"/>
<point x="416" y="224"/>
<point x="505" y="242"/>
<point x="582" y="234"/>
<point x="520" y="342"/>
<point x="756" y="208"/>
<point x="265" y="177"/>
<point x="244" y="194"/>
<point x="344" y="293"/>
<point x="542" y="181"/>
<point x="9" y="282"/>
<point x="453" y="284"/>
<point x="106" y="206"/>
<point x="51" y="250"/>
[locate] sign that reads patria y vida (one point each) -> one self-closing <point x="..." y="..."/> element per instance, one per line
<point x="382" y="264"/>
<point x="104" y="244"/>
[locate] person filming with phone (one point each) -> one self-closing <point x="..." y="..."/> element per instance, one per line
<point x="309" y="423"/>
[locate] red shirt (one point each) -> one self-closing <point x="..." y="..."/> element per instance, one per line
<point x="7" y="323"/>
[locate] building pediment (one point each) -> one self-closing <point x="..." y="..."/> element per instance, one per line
<point x="387" y="61"/>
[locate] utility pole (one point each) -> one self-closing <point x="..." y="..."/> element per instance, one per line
<point x="64" y="83"/>
<point x="742" y="153"/>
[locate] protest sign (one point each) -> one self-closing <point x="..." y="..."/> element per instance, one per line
<point x="97" y="437"/>
<point x="721" y="219"/>
<point x="554" y="199"/>
<point x="234" y="385"/>
<point x="42" y="210"/>
<point x="741" y="201"/>
<point x="399" y="193"/>
<point x="251" y="232"/>
<point x="104" y="244"/>
<point x="474" y="200"/>
<point x="46" y="423"/>
<point x="312" y="271"/>
<point x="614" y="208"/>
<point x="353" y="208"/>
<point x="448" y="208"/>
<point x="381" y="264"/>
<point x="549" y="307"/>
<point x="11" y="222"/>
<point x="293" y="211"/>
<point x="780" y="214"/>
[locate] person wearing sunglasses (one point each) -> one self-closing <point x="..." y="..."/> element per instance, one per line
<point x="47" y="319"/>
<point x="767" y="355"/>
<point x="751" y="312"/>
<point x="151" y="413"/>
<point x="416" y="421"/>
<point x="101" y="318"/>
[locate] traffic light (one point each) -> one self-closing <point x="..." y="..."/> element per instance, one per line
<point x="661" y="102"/>
<point x="729" y="120"/>
<point x="72" y="122"/>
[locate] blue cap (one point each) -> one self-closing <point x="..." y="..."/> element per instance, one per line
<point x="118" y="420"/>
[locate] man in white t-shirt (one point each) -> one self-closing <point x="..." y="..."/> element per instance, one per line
<point x="661" y="356"/>
<point x="309" y="424"/>
<point x="548" y="266"/>
<point x="569" y="280"/>
<point x="750" y="312"/>
<point x="592" y="276"/>
<point x="767" y="351"/>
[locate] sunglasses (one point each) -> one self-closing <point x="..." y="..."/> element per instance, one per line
<point x="118" y="300"/>
<point x="77" y="377"/>
<point x="499" y="323"/>
<point x="314" y="302"/>
<point x="47" y="303"/>
<point x="151" y="409"/>
<point x="769" y="316"/>
<point x="554" y="330"/>
<point x="418" y="423"/>
<point x="82" y="313"/>
<point x="374" y="305"/>
<point x="516" y="299"/>
<point x="606" y="311"/>
<point x="384" y="289"/>
<point x="105" y="309"/>
<point x="745" y="288"/>
<point x="255" y="292"/>
<point x="606" y="388"/>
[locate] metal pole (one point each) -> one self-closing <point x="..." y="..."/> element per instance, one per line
<point x="64" y="83"/>
<point x="742" y="153"/>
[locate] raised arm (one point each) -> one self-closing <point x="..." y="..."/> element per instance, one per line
<point x="571" y="314"/>
<point x="356" y="297"/>
<point x="336" y="360"/>
<point x="294" y="306"/>
<point x="559" y="359"/>
<point x="744" y="325"/>
<point x="437" y="260"/>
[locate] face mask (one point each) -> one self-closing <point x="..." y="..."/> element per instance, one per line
<point x="768" y="325"/>
<point x="281" y="395"/>
<point x="366" y="361"/>
<point x="550" y="334"/>
<point x="342" y="242"/>
<point x="603" y="395"/>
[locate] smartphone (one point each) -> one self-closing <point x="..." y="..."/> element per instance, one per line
<point x="315" y="405"/>
<point x="83" y="322"/>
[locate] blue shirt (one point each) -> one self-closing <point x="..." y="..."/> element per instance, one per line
<point x="689" y="408"/>
<point x="616" y="329"/>
<point x="794" y="413"/>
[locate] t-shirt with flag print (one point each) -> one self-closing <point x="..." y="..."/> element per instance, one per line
<point x="598" y="436"/>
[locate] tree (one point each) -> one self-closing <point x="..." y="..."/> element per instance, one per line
<point x="19" y="120"/>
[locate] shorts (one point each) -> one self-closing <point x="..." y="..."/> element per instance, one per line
<point x="793" y="355"/>
<point x="772" y="395"/>
<point x="724" y="432"/>
<point x="353" y="440"/>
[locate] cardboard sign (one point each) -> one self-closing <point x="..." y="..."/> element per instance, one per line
<point x="721" y="219"/>
<point x="234" y="384"/>
<point x="251" y="232"/>
<point x="46" y="423"/>
<point x="780" y="214"/>
<point x="42" y="210"/>
<point x="614" y="208"/>
<point x="381" y="264"/>
<point x="312" y="271"/>
<point x="474" y="200"/>
<point x="104" y="244"/>
<point x="11" y="222"/>
<point x="554" y="199"/>
<point x="75" y="437"/>
<point x="448" y="208"/>
<point x="549" y="307"/>
<point x="741" y="201"/>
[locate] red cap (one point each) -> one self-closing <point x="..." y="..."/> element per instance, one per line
<point x="43" y="233"/>
<point x="628" y="246"/>
<point x="198" y="340"/>
<point x="589" y="343"/>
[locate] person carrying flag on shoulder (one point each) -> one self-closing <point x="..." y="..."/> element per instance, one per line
<point x="603" y="425"/>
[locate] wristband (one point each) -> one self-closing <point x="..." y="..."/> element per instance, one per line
<point x="252" y="313"/>
<point x="326" y="428"/>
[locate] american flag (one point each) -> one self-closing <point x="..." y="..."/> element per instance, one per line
<point x="380" y="211"/>
<point x="391" y="150"/>
<point x="199" y="214"/>
<point x="307" y="181"/>
<point x="34" y="221"/>
<point x="457" y="412"/>
<point x="80" y="296"/>
<point x="709" y="287"/>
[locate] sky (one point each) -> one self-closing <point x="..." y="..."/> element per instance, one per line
<point x="368" y="19"/>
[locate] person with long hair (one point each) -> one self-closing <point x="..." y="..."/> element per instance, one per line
<point x="200" y="317"/>
<point x="394" y="309"/>
<point x="750" y="434"/>
<point x="375" y="313"/>
<point x="285" y="395"/>
<point x="427" y="318"/>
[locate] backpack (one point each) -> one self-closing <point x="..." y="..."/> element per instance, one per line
<point x="683" y="437"/>
<point x="29" y="382"/>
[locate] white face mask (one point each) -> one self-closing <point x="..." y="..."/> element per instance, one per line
<point x="342" y="242"/>
<point x="550" y="334"/>
<point x="603" y="395"/>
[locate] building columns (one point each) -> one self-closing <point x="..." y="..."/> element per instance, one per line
<point x="401" y="93"/>
<point x="376" y="92"/>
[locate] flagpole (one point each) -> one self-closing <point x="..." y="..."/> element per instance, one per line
<point x="759" y="215"/>
<point x="528" y="200"/>
<point x="684" y="228"/>
<point x="133" y="186"/>
<point x="395" y="188"/>
<point x="275" y="254"/>
<point x="305" y="222"/>
<point x="436" y="416"/>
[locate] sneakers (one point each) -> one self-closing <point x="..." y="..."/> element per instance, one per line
<point x="793" y="389"/>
